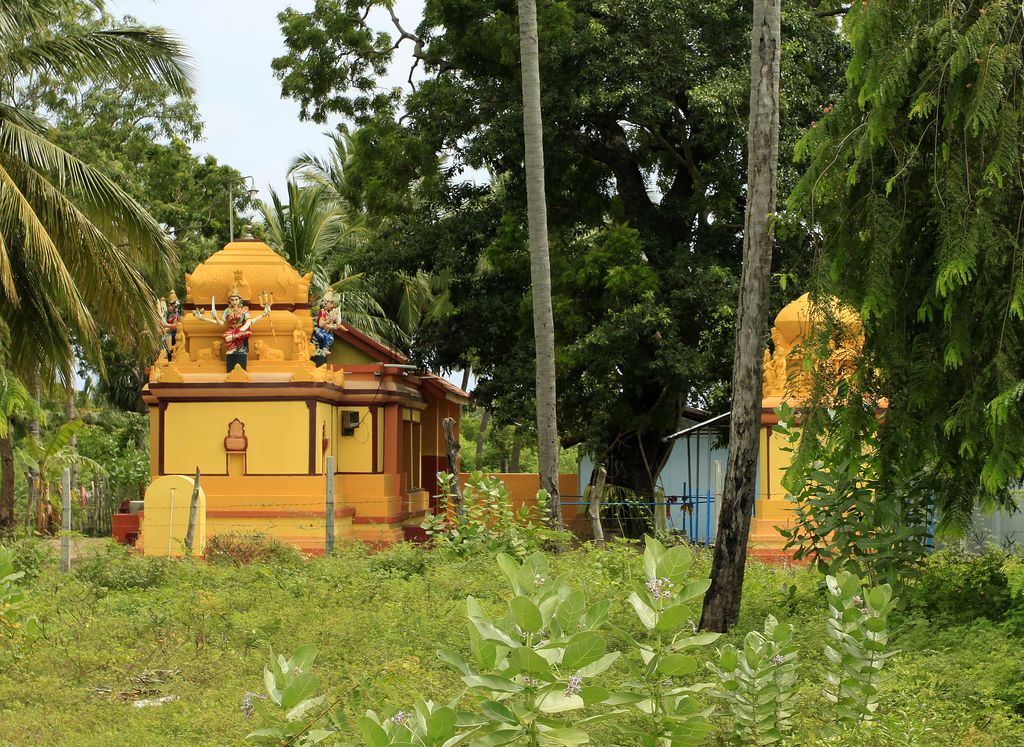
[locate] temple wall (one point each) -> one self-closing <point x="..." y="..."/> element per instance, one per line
<point x="278" y="435"/>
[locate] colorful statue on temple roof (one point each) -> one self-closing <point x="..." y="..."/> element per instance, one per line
<point x="238" y="322"/>
<point x="170" y="319"/>
<point x="327" y="323"/>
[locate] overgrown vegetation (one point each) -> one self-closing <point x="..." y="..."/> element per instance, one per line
<point x="483" y="519"/>
<point x="204" y="632"/>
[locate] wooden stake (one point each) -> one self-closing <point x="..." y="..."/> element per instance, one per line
<point x="451" y="445"/>
<point x="193" y="509"/>
<point x="594" y="510"/>
<point x="329" y="508"/>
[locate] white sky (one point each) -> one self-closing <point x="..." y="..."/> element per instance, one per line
<point x="248" y="125"/>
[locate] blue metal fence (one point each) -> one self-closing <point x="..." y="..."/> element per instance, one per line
<point x="694" y="515"/>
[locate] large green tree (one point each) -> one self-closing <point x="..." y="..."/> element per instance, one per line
<point x="645" y="108"/>
<point x="75" y="248"/>
<point x="915" y="181"/>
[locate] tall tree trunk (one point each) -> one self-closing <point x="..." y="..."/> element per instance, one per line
<point x="722" y="601"/>
<point x="481" y="435"/>
<point x="515" y="451"/>
<point x="540" y="265"/>
<point x="7" y="485"/>
<point x="465" y="381"/>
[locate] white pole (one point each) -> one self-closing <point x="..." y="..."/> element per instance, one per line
<point x="65" y="539"/>
<point x="170" y="524"/>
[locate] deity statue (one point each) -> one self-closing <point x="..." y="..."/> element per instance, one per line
<point x="170" y="319"/>
<point x="238" y="322"/>
<point x="327" y="323"/>
<point x="300" y="345"/>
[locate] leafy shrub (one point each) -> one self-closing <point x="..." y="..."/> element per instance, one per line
<point x="31" y="556"/>
<point x="488" y="522"/>
<point x="668" y="607"/>
<point x="118" y="567"/>
<point x="12" y="596"/>
<point x="846" y="517"/>
<point x="531" y="665"/>
<point x="957" y="586"/>
<point x="403" y="559"/>
<point x="242" y="548"/>
<point x="289" y="718"/>
<point x="759" y="683"/>
<point x="859" y="627"/>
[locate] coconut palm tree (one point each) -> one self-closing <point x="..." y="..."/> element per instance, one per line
<point x="540" y="262"/>
<point x="75" y="249"/>
<point x="327" y="172"/>
<point x="308" y="229"/>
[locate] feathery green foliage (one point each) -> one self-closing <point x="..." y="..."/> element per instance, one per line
<point x="916" y="182"/>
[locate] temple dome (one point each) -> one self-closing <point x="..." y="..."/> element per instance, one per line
<point x="255" y="268"/>
<point x="793" y="322"/>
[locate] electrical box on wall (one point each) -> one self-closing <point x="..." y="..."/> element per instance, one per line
<point x="349" y="422"/>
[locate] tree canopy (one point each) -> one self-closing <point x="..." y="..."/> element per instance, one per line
<point x="73" y="244"/>
<point x="915" y="182"/>
<point x="644" y="119"/>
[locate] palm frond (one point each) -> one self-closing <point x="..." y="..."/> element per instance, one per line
<point x="149" y="52"/>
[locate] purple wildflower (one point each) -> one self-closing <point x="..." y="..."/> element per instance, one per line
<point x="660" y="588"/>
<point x="400" y="717"/>
<point x="858" y="600"/>
<point x="778" y="659"/>
<point x="574" y="685"/>
<point x="248" y="707"/>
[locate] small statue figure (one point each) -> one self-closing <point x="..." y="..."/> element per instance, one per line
<point x="300" y="345"/>
<point x="327" y="323"/>
<point x="266" y="353"/>
<point x="170" y="318"/>
<point x="238" y="322"/>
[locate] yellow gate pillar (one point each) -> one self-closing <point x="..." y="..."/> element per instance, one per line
<point x="165" y="519"/>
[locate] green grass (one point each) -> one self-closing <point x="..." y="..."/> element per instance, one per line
<point x="124" y="628"/>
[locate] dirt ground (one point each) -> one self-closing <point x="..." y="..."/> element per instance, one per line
<point x="80" y="548"/>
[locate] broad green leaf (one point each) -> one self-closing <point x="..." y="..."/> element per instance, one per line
<point x="677" y="664"/>
<point x="674" y="564"/>
<point x="492" y="682"/>
<point x="524" y="660"/>
<point x="302" y="658"/>
<point x="644" y="612"/>
<point x="299" y="689"/>
<point x="455" y="660"/>
<point x="499" y="737"/>
<point x="673" y="618"/>
<point x="583" y="649"/>
<point x="442" y="722"/>
<point x="597" y="667"/>
<point x="564" y="735"/>
<point x="559" y="701"/>
<point x="270" y="683"/>
<point x="593" y="694"/>
<point x="526" y="615"/>
<point x="496" y="711"/>
<point x="511" y="569"/>
<point x="372" y="732"/>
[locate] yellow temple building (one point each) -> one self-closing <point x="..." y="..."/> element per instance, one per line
<point x="786" y="381"/>
<point x="260" y="435"/>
